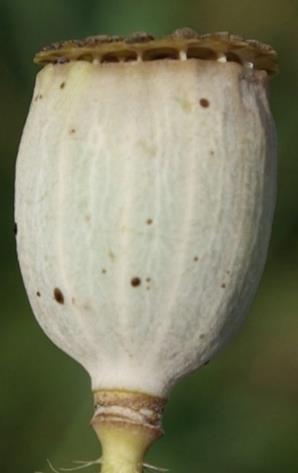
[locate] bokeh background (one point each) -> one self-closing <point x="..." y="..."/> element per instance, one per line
<point x="239" y="413"/>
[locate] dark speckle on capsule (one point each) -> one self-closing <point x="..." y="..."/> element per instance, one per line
<point x="111" y="255"/>
<point x="135" y="282"/>
<point x="38" y="294"/>
<point x="72" y="131"/>
<point x="149" y="221"/>
<point x="223" y="285"/>
<point x="58" y="295"/>
<point x="196" y="258"/>
<point x="103" y="271"/>
<point x="148" y="279"/>
<point x="204" y="103"/>
<point x="62" y="85"/>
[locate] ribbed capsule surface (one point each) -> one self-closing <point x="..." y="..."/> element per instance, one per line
<point x="144" y="201"/>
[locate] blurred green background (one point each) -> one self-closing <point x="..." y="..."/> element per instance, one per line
<point x="238" y="414"/>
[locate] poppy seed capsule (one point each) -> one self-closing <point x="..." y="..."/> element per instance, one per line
<point x="145" y="191"/>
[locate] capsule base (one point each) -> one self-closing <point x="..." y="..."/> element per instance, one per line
<point x="126" y="424"/>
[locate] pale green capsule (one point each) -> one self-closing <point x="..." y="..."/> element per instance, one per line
<point x="145" y="192"/>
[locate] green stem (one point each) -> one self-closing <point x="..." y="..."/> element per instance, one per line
<point x="123" y="447"/>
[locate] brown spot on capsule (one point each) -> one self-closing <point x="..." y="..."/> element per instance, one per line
<point x="149" y="221"/>
<point x="111" y="255"/>
<point x="223" y="285"/>
<point x="38" y="294"/>
<point x="148" y="280"/>
<point x="58" y="295"/>
<point x="15" y="228"/>
<point x="62" y="85"/>
<point x="204" y="103"/>
<point x="196" y="258"/>
<point x="135" y="282"/>
<point x="72" y="131"/>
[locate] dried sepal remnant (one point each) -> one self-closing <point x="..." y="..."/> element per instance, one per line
<point x="122" y="407"/>
<point x="183" y="44"/>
